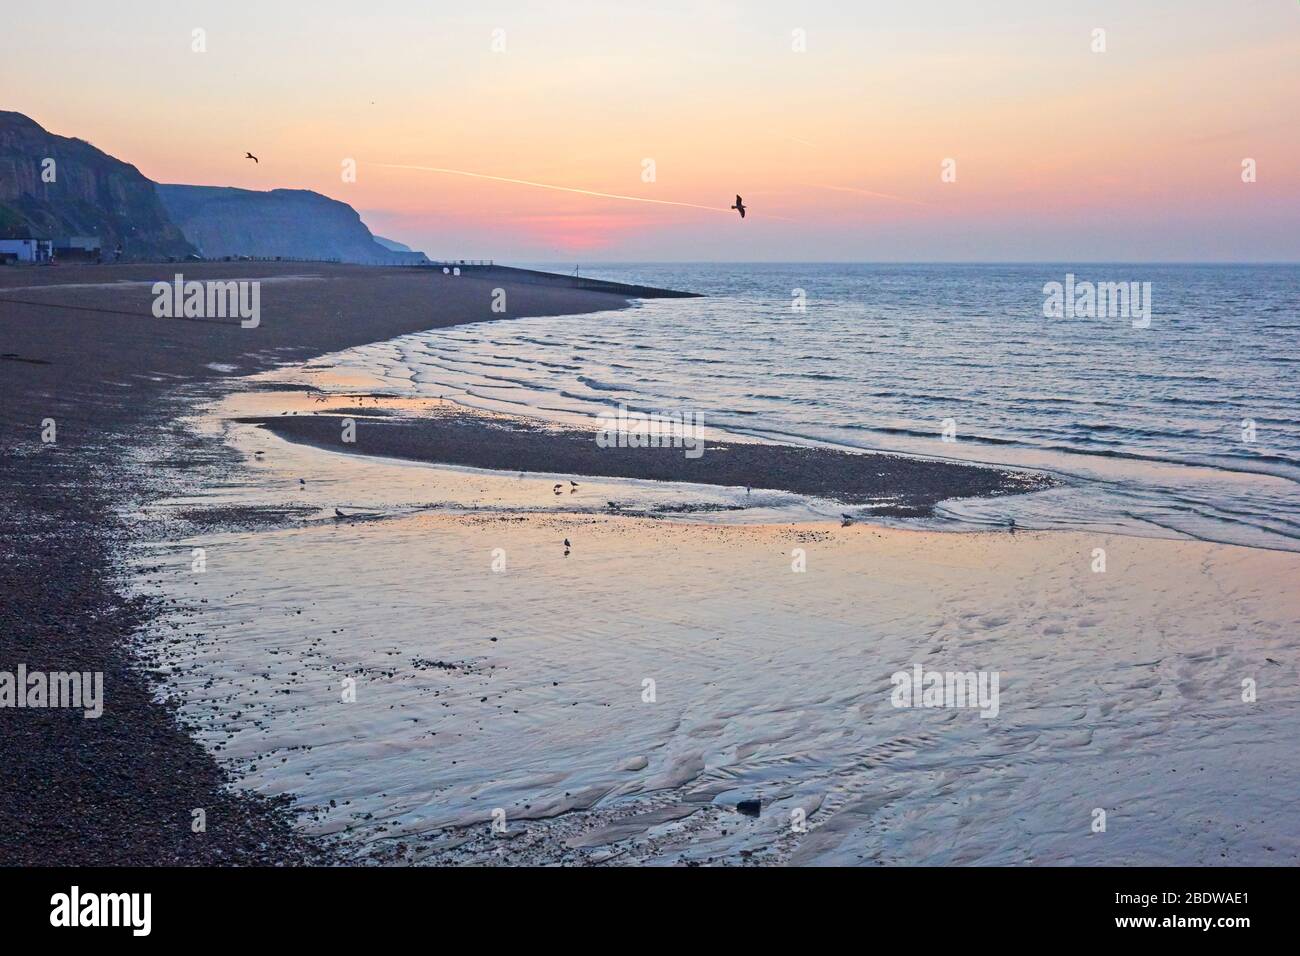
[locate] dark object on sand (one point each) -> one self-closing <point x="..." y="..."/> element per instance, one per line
<point x="739" y="206"/>
<point x="1011" y="525"/>
<point x="566" y="543"/>
<point x="750" y="808"/>
<point x="256" y="160"/>
<point x="339" y="514"/>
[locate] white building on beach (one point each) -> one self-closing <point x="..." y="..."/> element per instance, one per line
<point x="26" y="250"/>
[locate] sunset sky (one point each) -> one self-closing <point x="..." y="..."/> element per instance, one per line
<point x="1061" y="153"/>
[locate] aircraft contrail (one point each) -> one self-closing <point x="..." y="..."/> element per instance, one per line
<point x="563" y="189"/>
<point x="868" y="192"/>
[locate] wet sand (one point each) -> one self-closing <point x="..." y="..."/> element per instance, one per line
<point x="500" y="676"/>
<point x="79" y="345"/>
<point x="879" y="484"/>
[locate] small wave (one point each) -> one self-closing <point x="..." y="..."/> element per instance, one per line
<point x="598" y="385"/>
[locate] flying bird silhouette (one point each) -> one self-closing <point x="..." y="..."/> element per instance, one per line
<point x="256" y="160"/>
<point x="739" y="206"/>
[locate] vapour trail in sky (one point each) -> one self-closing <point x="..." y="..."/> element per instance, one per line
<point x="564" y="189"/>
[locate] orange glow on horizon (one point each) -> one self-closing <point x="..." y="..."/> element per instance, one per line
<point x="1059" y="151"/>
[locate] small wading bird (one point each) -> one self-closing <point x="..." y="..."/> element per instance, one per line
<point x="739" y="206"/>
<point x="847" y="520"/>
<point x="255" y="159"/>
<point x="339" y="514"/>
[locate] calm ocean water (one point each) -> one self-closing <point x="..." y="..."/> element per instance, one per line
<point x="1186" y="427"/>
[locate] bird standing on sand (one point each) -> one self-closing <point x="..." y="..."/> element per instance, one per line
<point x="847" y="520"/>
<point x="739" y="206"/>
<point x="256" y="160"/>
<point x="572" y="484"/>
<point x="339" y="514"/>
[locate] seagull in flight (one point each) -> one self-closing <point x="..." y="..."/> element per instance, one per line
<point x="739" y="206"/>
<point x="248" y="155"/>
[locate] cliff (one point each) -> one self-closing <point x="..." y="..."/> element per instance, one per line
<point x="294" y="223"/>
<point x="92" y="194"/>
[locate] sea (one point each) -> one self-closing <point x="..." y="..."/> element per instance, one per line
<point x="1175" y="419"/>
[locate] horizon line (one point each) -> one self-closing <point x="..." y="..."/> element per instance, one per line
<point x="924" y="262"/>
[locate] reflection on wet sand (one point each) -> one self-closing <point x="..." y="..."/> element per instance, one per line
<point x="514" y="704"/>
